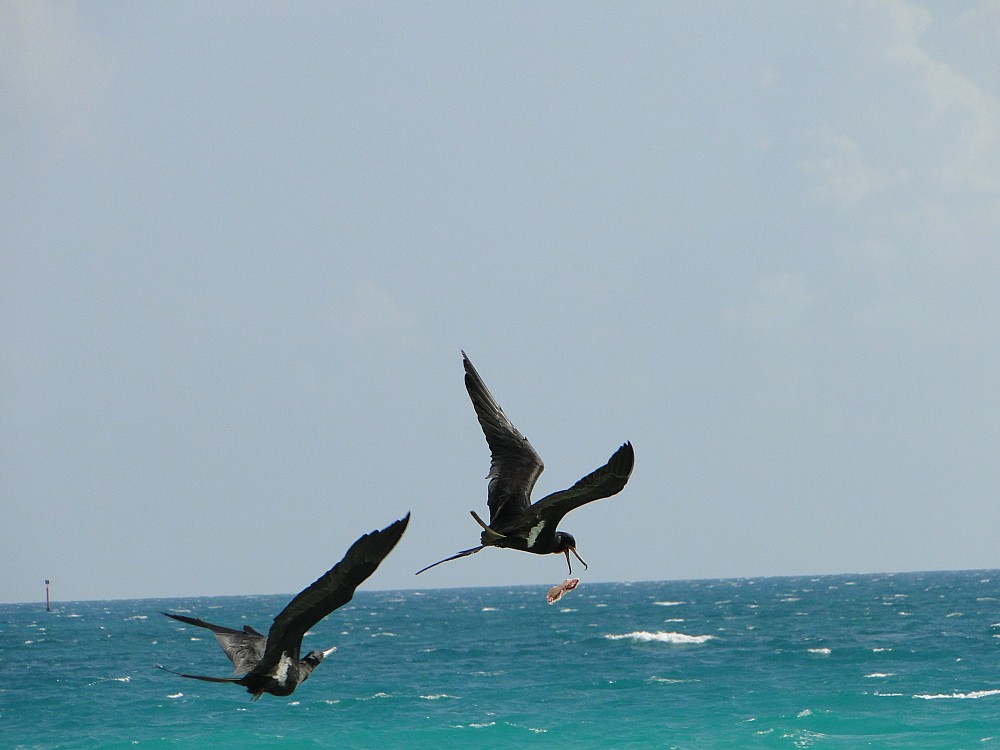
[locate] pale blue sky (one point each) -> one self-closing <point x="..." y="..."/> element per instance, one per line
<point x="243" y="245"/>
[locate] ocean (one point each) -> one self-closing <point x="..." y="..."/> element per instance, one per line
<point x="884" y="661"/>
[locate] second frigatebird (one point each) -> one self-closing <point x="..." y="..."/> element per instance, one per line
<point x="516" y="523"/>
<point x="271" y="664"/>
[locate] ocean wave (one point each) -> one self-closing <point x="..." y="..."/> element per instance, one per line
<point x="437" y="696"/>
<point x="644" y="636"/>
<point x="488" y="724"/>
<point x="959" y="696"/>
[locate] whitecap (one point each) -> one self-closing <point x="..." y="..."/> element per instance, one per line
<point x="674" y="619"/>
<point x="489" y="609"/>
<point x="668" y="604"/>
<point x="176" y="695"/>
<point x="880" y="674"/>
<point x="437" y="697"/>
<point x="959" y="696"/>
<point x="644" y="636"/>
<point x="804" y="712"/>
<point x="824" y="651"/>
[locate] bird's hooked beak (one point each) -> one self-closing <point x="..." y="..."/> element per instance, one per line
<point x="329" y="651"/>
<point x="577" y="554"/>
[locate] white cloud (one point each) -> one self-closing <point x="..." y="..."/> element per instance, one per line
<point x="964" y="117"/>
<point x="845" y="175"/>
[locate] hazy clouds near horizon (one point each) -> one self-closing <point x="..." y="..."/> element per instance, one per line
<point x="244" y="245"/>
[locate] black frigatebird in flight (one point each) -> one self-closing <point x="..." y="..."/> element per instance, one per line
<point x="516" y="523"/>
<point x="271" y="664"/>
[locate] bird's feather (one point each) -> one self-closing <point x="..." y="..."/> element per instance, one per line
<point x="515" y="465"/>
<point x="245" y="648"/>
<point x="333" y="589"/>
<point x="205" y="678"/>
<point x="608" y="480"/>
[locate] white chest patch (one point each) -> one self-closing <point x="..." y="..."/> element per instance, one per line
<point x="533" y="534"/>
<point x="281" y="673"/>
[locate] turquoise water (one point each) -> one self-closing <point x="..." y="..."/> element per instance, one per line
<point x="885" y="661"/>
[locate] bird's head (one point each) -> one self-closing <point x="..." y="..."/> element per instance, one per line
<point x="566" y="543"/>
<point x="313" y="658"/>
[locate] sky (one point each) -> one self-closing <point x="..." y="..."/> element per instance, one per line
<point x="242" y="246"/>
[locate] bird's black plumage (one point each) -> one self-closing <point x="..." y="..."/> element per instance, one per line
<point x="515" y="522"/>
<point x="271" y="664"/>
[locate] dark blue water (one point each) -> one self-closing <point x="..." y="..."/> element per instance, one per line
<point x="887" y="661"/>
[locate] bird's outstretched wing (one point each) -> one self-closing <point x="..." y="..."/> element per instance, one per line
<point x="333" y="589"/>
<point x="608" y="480"/>
<point x="515" y="466"/>
<point x="245" y="648"/>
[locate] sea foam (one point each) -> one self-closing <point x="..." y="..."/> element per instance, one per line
<point x="959" y="696"/>
<point x="644" y="636"/>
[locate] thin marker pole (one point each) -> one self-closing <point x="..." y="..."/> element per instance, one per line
<point x="48" y="607"/>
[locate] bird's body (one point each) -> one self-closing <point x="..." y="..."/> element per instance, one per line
<point x="272" y="663"/>
<point x="516" y="523"/>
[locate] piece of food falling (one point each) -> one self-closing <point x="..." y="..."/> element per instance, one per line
<point x="557" y="591"/>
